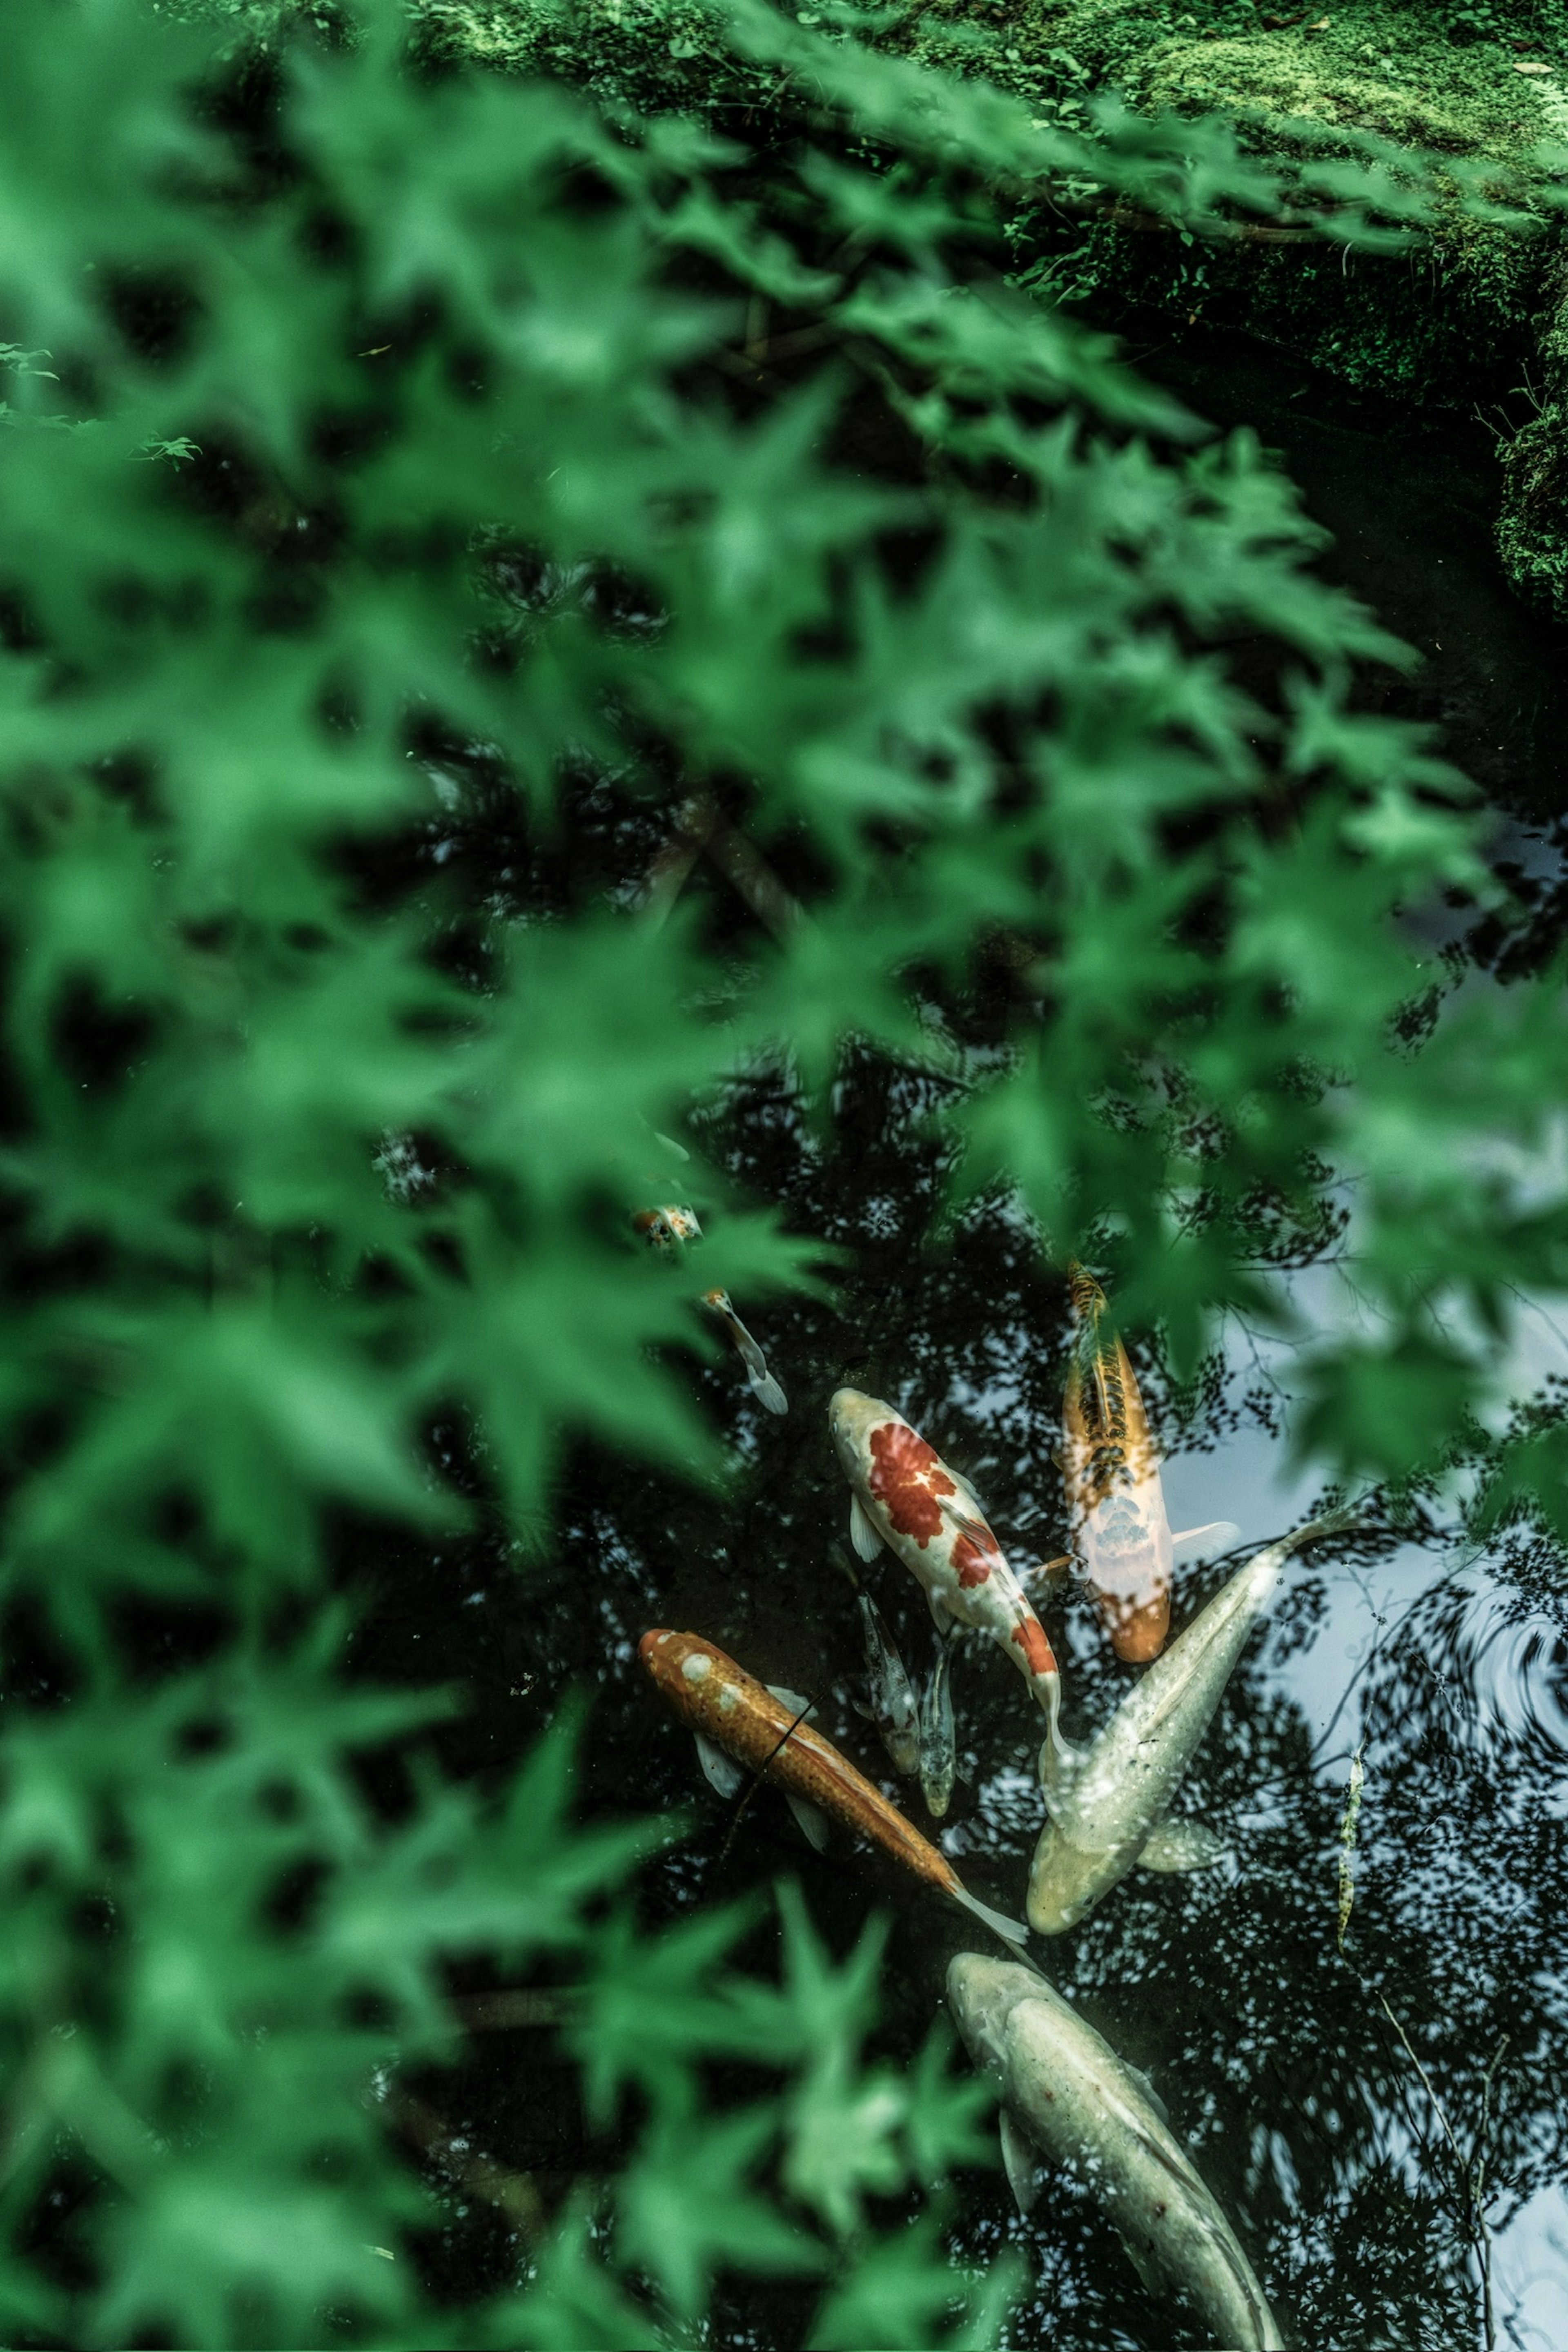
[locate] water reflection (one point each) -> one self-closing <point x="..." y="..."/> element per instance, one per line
<point x="1341" y="2105"/>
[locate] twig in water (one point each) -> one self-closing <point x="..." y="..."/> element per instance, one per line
<point x="756" y="1782"/>
<point x="1471" y="2177"/>
<point x="500" y="2012"/>
<point x="513" y="2192"/>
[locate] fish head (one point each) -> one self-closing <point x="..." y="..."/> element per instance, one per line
<point x="852" y="1415"/>
<point x="675" y="1662"/>
<point x="982" y="1993"/>
<point x="1139" y="1630"/>
<point x="1067" y="1880"/>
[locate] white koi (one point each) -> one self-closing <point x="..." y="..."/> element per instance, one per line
<point x="903" y="1494"/>
<point x="1066" y="2094"/>
<point x="1110" y="1802"/>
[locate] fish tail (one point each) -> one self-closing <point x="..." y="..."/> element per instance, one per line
<point x="1012" y="1932"/>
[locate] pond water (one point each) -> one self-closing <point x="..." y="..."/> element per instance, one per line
<point x="1340" y="2104"/>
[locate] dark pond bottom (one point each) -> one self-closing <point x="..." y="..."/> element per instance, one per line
<point x="1288" y="2064"/>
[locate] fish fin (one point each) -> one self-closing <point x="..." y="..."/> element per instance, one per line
<point x="1060" y="1764"/>
<point x="1149" y="2093"/>
<point x="861" y="1709"/>
<point x="863" y="1534"/>
<point x="942" y="1615"/>
<point x="1142" y="2262"/>
<point x="1181" y="1846"/>
<point x="810" y="1821"/>
<point x="796" y="1702"/>
<point x="769" y="1393"/>
<point x="843" y="1564"/>
<point x="1011" y="1931"/>
<point x="1047" y="1574"/>
<point x="721" y="1771"/>
<point x="971" y="1524"/>
<point x="1220" y="1533"/>
<point x="1019" y="2165"/>
<point x="965" y="1486"/>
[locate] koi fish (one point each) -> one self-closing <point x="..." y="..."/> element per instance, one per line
<point x="901" y="1494"/>
<point x="939" y="1747"/>
<point x="714" y="1696"/>
<point x="1122" y="1531"/>
<point x="1111" y="1473"/>
<point x="764" y="1387"/>
<point x="668" y="1231"/>
<point x="1066" y="2094"/>
<point x="1109" y="1803"/>
<point x="893" y="1708"/>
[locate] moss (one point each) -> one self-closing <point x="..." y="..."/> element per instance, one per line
<point x="1476" y="313"/>
<point x="1532" y="530"/>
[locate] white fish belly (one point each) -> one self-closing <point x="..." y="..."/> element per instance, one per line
<point x="1065" y="2085"/>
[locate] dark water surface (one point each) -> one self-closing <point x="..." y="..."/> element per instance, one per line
<point x="1342" y="2105"/>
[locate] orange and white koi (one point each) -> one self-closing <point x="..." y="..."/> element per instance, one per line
<point x="1116" y="1503"/>
<point x="902" y="1494"/>
<point x="728" y="1707"/>
<point x="669" y="1230"/>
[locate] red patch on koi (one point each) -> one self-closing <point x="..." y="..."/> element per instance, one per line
<point x="907" y="1478"/>
<point x="971" y="1562"/>
<point x="1030" y="1636"/>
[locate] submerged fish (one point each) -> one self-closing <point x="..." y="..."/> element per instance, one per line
<point x="730" y="1707"/>
<point x="668" y="1231"/>
<point x="893" y="1708"/>
<point x="938" y="1746"/>
<point x="901" y="1494"/>
<point x="1110" y="1802"/>
<point x="764" y="1387"/>
<point x="1065" y="2093"/>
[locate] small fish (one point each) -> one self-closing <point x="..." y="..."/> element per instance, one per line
<point x="1066" y="2094"/>
<point x="1347" y="1844"/>
<point x="901" y="1494"/>
<point x="667" y="1230"/>
<point x="939" y="1749"/>
<point x="767" y="1390"/>
<point x="1109" y="1803"/>
<point x="893" y="1707"/>
<point x="717" y="1698"/>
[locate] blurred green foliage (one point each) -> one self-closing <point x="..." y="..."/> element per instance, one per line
<point x="369" y="425"/>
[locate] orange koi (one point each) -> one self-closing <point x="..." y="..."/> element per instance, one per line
<point x="721" y="1703"/>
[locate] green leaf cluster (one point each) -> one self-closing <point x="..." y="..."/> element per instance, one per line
<point x="384" y="442"/>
